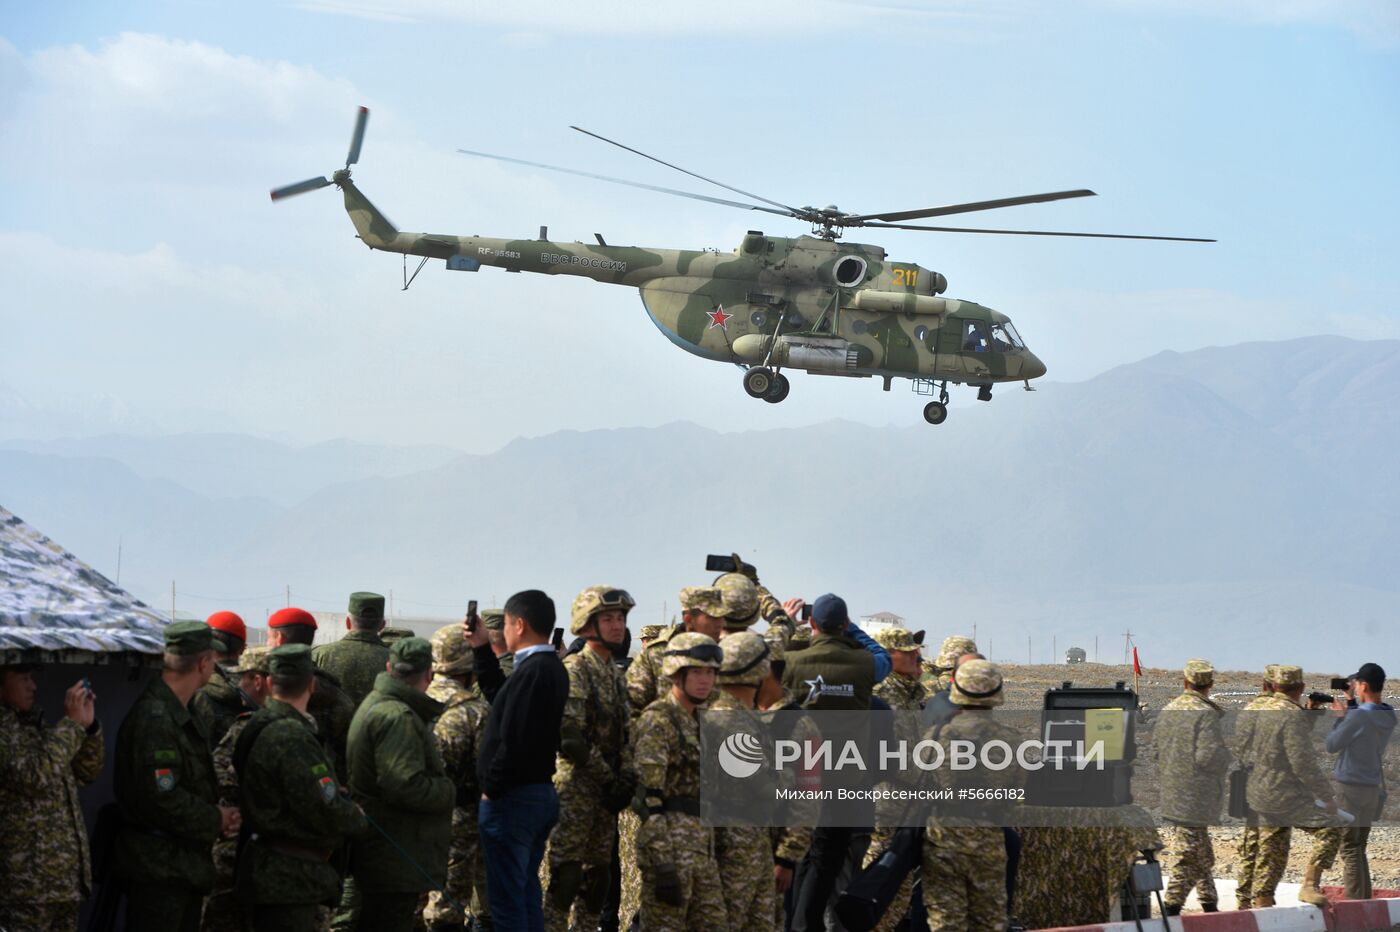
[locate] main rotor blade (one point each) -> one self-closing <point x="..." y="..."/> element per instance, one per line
<point x="301" y="187"/>
<point x="357" y="137"/>
<point x="907" y="226"/>
<point x="791" y="210"/>
<point x="970" y="207"/>
<point x="630" y="184"/>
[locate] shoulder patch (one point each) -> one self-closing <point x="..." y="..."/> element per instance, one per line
<point x="319" y="770"/>
<point x="165" y="756"/>
<point x="165" y="780"/>
<point x="328" y="789"/>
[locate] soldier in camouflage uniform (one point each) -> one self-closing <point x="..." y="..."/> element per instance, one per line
<point x="649" y="633"/>
<point x="1192" y="760"/>
<point x="222" y="910"/>
<point x="791" y="840"/>
<point x="703" y="611"/>
<point x="903" y="691"/>
<point x="495" y="621"/>
<point x="593" y="778"/>
<point x="964" y="859"/>
<point x="44" y="864"/>
<point x="1284" y="783"/>
<point x="297" y="814"/>
<point x="219" y="703"/>
<point x="458" y="732"/>
<point x="746" y="601"/>
<point x="165" y="784"/>
<point x="680" y="882"/>
<point x="1074" y="861"/>
<point x="331" y="706"/>
<point x="359" y="656"/>
<point x="1247" y="868"/>
<point x="398" y="776"/>
<point x="744" y="853"/>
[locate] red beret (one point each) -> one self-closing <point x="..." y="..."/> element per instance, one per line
<point x="228" y="623"/>
<point x="285" y="617"/>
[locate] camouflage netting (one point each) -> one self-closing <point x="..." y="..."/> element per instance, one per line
<point x="55" y="608"/>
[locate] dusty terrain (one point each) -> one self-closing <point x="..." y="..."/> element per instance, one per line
<point x="1026" y="690"/>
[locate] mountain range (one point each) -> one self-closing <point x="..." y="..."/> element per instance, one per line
<point x="1233" y="503"/>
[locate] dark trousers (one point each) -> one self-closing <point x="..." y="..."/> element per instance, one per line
<point x="514" y="830"/>
<point x="815" y="880"/>
<point x="154" y="908"/>
<point x="387" y="912"/>
<point x="283" y="917"/>
<point x="1012" y="838"/>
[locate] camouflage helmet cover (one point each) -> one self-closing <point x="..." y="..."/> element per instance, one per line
<point x="689" y="649"/>
<point x="977" y="682"/>
<point x="747" y="656"/>
<point x="650" y="632"/>
<point x="893" y="637"/>
<point x="1199" y="672"/>
<point x="596" y="599"/>
<point x="253" y="660"/>
<point x="954" y="646"/>
<point x="740" y="597"/>
<point x="452" y="655"/>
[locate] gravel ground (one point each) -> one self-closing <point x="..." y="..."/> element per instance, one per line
<point x="1026" y="690"/>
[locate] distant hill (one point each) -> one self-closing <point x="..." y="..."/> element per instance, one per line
<point x="1232" y="503"/>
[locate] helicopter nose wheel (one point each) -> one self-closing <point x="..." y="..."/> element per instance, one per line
<point x="935" y="412"/>
<point x="779" y="391"/>
<point x="758" y="382"/>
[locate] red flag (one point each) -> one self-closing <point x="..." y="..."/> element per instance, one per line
<point x="1137" y="667"/>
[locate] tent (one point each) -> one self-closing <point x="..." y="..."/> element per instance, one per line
<point x="59" y="612"/>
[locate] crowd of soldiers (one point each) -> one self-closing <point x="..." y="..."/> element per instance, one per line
<point x="286" y="787"/>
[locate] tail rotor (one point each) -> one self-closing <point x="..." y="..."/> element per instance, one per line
<point x="311" y="184"/>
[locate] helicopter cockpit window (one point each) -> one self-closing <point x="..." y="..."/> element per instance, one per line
<point x="975" y="338"/>
<point x="1005" y="337"/>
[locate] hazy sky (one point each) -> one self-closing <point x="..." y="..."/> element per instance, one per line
<point x="144" y="271"/>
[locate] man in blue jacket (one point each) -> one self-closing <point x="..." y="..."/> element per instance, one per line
<point x="1359" y="739"/>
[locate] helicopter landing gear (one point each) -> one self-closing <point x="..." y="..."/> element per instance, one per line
<point x="779" y="390"/>
<point x="758" y="382"/>
<point x="935" y="412"/>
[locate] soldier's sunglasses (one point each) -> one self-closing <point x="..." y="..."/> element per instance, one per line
<point x="614" y="598"/>
<point x="709" y="653"/>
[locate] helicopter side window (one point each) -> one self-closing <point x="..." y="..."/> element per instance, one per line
<point x="1005" y="338"/>
<point x="975" y="339"/>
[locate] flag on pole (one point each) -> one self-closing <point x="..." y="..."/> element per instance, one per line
<point x="1137" y="667"/>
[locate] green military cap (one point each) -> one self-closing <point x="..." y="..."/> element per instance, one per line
<point x="892" y="637"/>
<point x="411" y="655"/>
<point x="1284" y="675"/>
<point x="707" y="599"/>
<point x="291" y="660"/>
<point x="1199" y="672"/>
<point x="191" y="637"/>
<point x="452" y="655"/>
<point x="977" y="682"/>
<point x="252" y="660"/>
<point x="366" y="606"/>
<point x="740" y="597"/>
<point x="390" y="635"/>
<point x="493" y="618"/>
<point x="954" y="646"/>
<point x="650" y="632"/>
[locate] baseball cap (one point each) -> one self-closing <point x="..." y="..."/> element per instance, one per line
<point x="1372" y="674"/>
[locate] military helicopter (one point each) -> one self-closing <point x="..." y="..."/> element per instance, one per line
<point x="776" y="302"/>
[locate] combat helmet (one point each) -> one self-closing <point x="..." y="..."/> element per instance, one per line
<point x="977" y="683"/>
<point x="690" y="650"/>
<point x="954" y="646"/>
<point x="740" y="601"/>
<point x="452" y="655"/>
<point x="596" y="599"/>
<point x="746" y="659"/>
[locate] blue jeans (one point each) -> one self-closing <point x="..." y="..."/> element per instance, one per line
<point x="514" y="830"/>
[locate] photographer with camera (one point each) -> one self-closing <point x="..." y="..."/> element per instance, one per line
<point x="1364" y="726"/>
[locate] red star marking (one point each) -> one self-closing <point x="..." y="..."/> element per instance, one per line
<point x="718" y="318"/>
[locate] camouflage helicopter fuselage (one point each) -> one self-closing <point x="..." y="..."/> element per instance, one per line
<point x="826" y="307"/>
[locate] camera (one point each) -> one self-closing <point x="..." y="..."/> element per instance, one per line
<point x="715" y="563"/>
<point x="1320" y="700"/>
<point x="1340" y="684"/>
<point x="472" y="618"/>
<point x="807" y="611"/>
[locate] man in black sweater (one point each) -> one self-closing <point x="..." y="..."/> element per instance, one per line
<point x="516" y="761"/>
